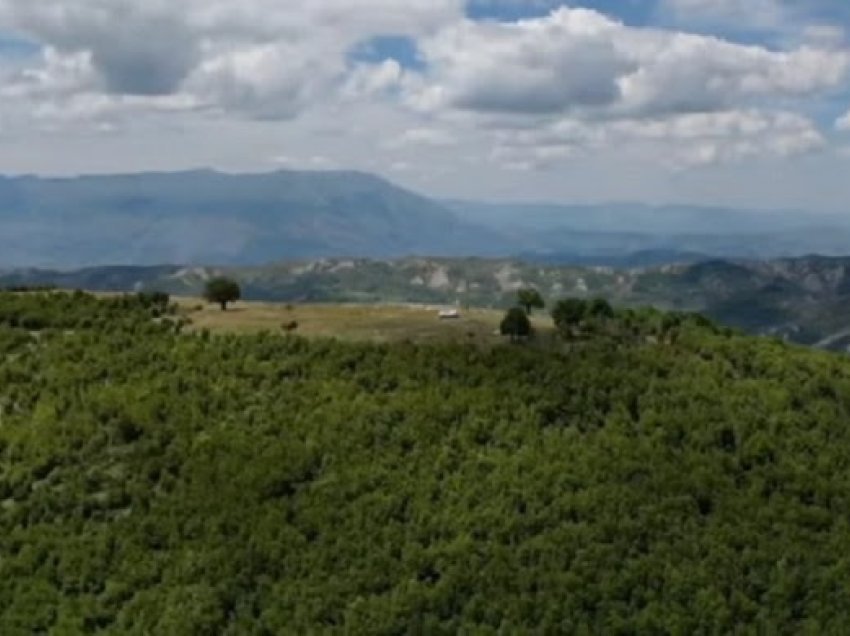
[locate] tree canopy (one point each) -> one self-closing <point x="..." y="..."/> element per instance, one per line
<point x="222" y="291"/>
<point x="516" y="324"/>
<point x="664" y="476"/>
<point x="530" y="299"/>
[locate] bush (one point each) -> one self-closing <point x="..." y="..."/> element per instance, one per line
<point x="516" y="324"/>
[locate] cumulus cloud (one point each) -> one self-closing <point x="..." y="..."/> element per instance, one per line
<point x="265" y="57"/>
<point x="137" y="48"/>
<point x="552" y="88"/>
<point x="365" y="80"/>
<point x="688" y="73"/>
<point x="709" y="138"/>
<point x="566" y="60"/>
<point x="530" y="93"/>
<point x="843" y="123"/>
<point x="580" y="60"/>
<point x="433" y="137"/>
<point x="683" y="140"/>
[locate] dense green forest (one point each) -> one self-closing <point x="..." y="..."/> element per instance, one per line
<point x="648" y="474"/>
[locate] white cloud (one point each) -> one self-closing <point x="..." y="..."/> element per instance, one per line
<point x="576" y="60"/>
<point x="262" y="57"/>
<point x="688" y="73"/>
<point x="273" y="80"/>
<point x="366" y="80"/>
<point x="684" y="140"/>
<point x="553" y="88"/>
<point x="569" y="89"/>
<point x="536" y="66"/>
<point x="434" y="137"/>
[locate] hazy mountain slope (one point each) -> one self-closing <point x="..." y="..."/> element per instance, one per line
<point x="611" y="234"/>
<point x="667" y="220"/>
<point x="205" y="216"/>
<point x="806" y="300"/>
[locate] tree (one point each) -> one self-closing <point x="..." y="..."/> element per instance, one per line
<point x="569" y="313"/>
<point x="530" y="299"/>
<point x="222" y="291"/>
<point x="600" y="308"/>
<point x="516" y="324"/>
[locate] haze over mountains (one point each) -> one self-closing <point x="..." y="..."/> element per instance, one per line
<point x="210" y="217"/>
<point x="348" y="236"/>
<point x="207" y="217"/>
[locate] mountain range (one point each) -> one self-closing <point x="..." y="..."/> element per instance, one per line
<point x="210" y="217"/>
<point x="349" y="236"/>
<point x="207" y="217"/>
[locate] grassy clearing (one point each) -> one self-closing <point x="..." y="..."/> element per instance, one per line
<point x="376" y="323"/>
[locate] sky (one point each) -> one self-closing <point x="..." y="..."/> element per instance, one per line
<point x="722" y="102"/>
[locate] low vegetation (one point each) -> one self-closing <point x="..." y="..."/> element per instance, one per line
<point x="651" y="474"/>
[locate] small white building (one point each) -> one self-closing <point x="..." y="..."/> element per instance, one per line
<point x="449" y="314"/>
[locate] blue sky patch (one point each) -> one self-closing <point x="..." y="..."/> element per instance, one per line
<point x="399" y="48"/>
<point x="631" y="12"/>
<point x="13" y="46"/>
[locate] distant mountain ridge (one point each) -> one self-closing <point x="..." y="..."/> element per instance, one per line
<point x="805" y="300"/>
<point x="205" y="216"/>
<point x="641" y="218"/>
<point x="624" y="234"/>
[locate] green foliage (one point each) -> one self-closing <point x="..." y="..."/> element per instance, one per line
<point x="516" y="324"/>
<point x="530" y="299"/>
<point x="79" y="310"/>
<point x="154" y="299"/>
<point x="577" y="319"/>
<point x="569" y="313"/>
<point x="599" y="308"/>
<point x="222" y="291"/>
<point x="666" y="477"/>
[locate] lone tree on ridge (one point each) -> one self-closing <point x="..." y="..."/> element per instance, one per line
<point x="530" y="299"/>
<point x="222" y="291"/>
<point x="516" y="324"/>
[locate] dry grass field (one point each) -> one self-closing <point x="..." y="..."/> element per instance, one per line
<point x="376" y="323"/>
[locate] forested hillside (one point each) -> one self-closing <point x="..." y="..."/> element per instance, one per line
<point x="804" y="300"/>
<point x="681" y="480"/>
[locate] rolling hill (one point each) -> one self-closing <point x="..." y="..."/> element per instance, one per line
<point x="805" y="300"/>
<point x="661" y="476"/>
